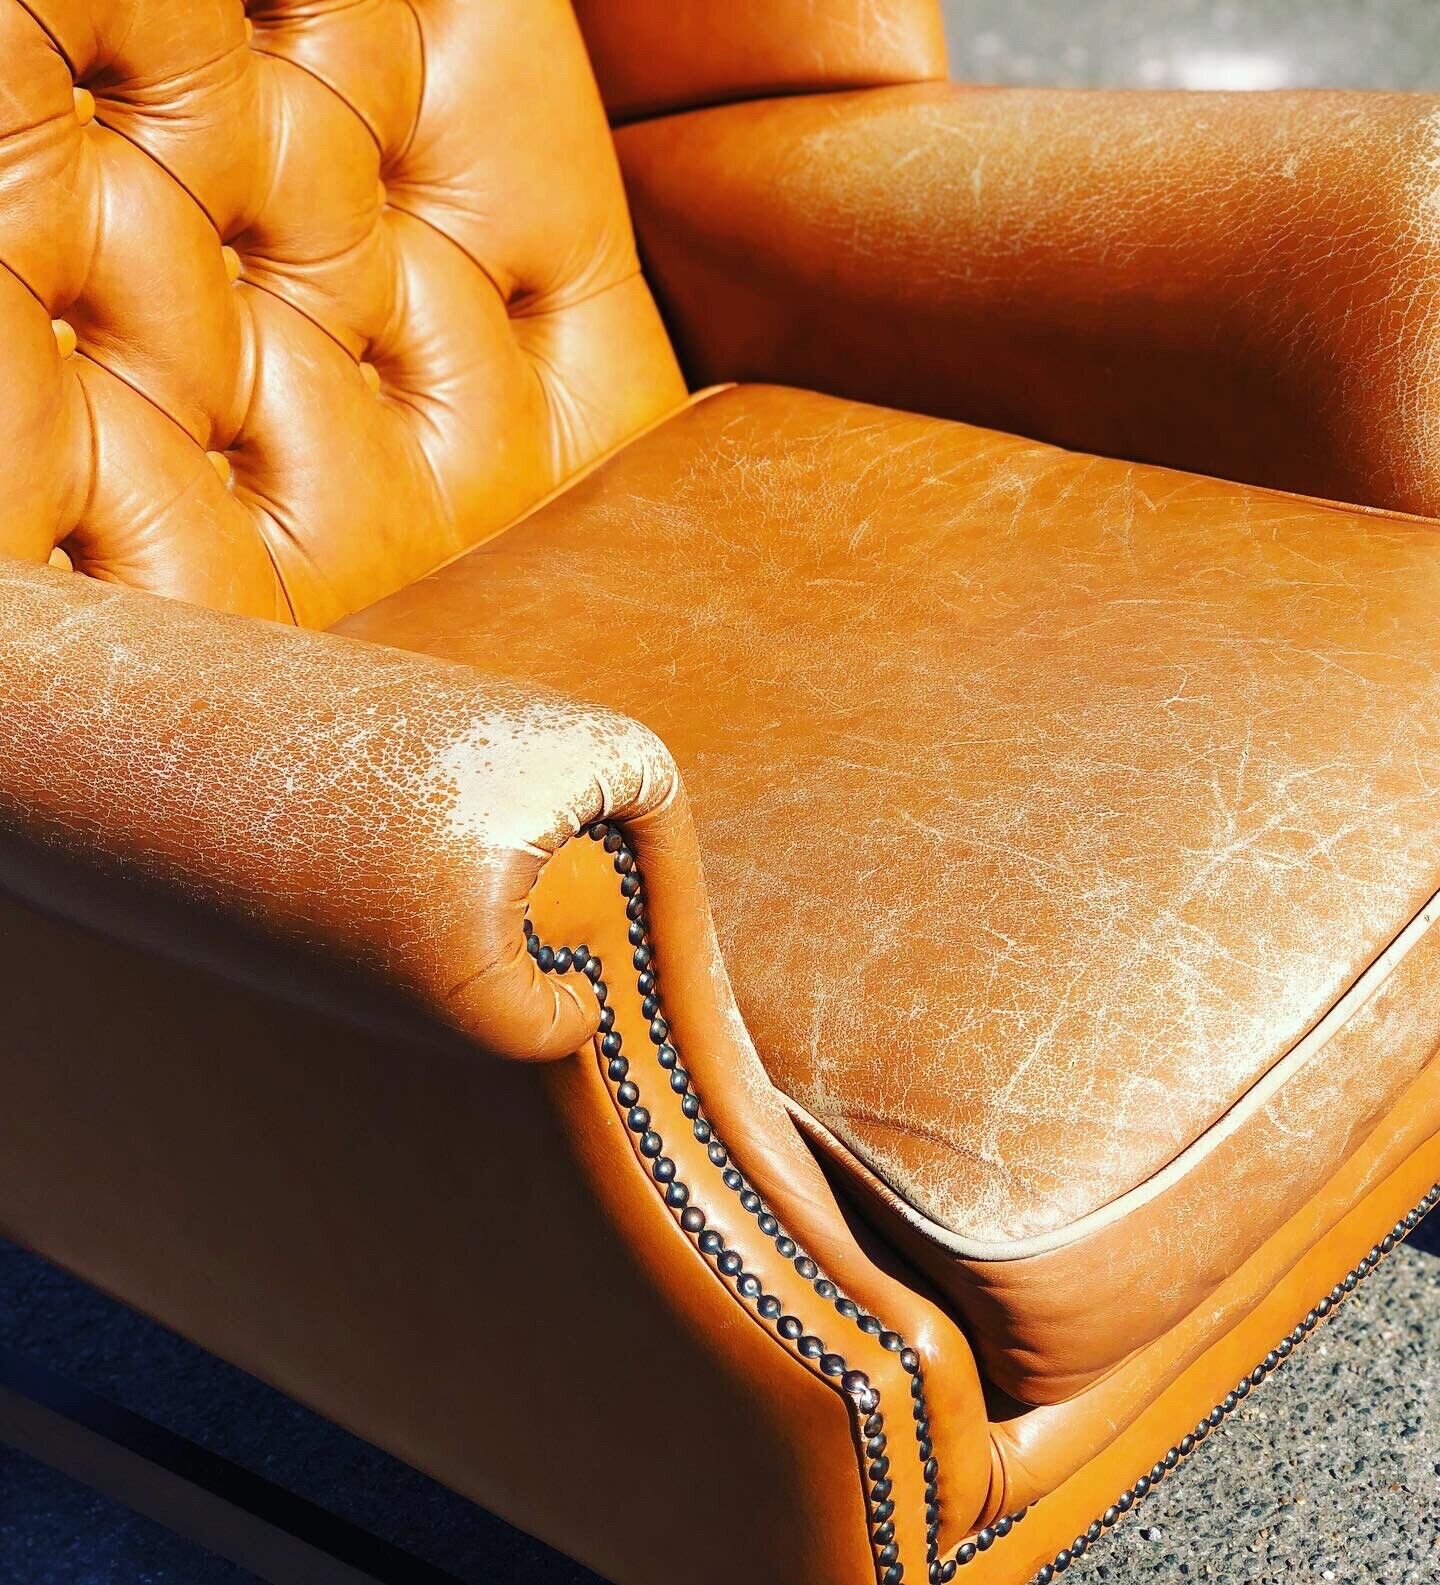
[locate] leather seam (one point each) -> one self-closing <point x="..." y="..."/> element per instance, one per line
<point x="314" y="76"/>
<point x="28" y="6"/>
<point x="540" y="307"/>
<point x="1179" y="1451"/>
<point x="760" y="93"/>
<point x="404" y="149"/>
<point x="464" y="252"/>
<point x="692" y="399"/>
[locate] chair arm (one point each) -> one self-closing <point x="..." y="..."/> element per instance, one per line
<point x="247" y="1173"/>
<point x="1243" y="284"/>
<point x="383" y="813"/>
<point x="652" y="56"/>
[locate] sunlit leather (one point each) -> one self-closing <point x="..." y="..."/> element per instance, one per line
<point x="653" y="56"/>
<point x="373" y="258"/>
<point x="1105" y="712"/>
<point x="1243" y="284"/>
<point x="1069" y="993"/>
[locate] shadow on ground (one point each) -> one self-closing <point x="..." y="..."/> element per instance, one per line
<point x="55" y="1532"/>
<point x="1426" y="1238"/>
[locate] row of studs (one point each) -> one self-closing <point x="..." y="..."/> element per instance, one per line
<point x="854" y="1383"/>
<point x="1231" y="1401"/>
<point x="864" y="1399"/>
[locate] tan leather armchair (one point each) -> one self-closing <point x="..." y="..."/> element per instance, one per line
<point x="1052" y="1050"/>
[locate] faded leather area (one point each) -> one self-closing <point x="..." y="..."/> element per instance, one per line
<point x="1101" y="783"/>
<point x="297" y="305"/>
<point x="1047" y="1326"/>
<point x="383" y="813"/>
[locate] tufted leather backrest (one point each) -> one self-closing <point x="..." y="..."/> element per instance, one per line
<point x="295" y="306"/>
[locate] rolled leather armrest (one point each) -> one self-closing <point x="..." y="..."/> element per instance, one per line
<point x="1246" y="285"/>
<point x="507" y="1255"/>
<point x="386" y="814"/>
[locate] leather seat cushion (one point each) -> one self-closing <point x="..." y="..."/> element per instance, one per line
<point x="1070" y="823"/>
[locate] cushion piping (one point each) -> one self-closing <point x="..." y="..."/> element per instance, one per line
<point x="1365" y="986"/>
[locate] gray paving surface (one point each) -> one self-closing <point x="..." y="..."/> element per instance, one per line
<point x="1198" y="43"/>
<point x="1330" y="1473"/>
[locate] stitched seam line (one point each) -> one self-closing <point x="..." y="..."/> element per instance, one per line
<point x="862" y="1398"/>
<point x="1178" y="1452"/>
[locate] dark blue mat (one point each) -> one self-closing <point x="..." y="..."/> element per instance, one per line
<point x="54" y="1531"/>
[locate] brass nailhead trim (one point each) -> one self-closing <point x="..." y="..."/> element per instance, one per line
<point x="862" y="1398"/>
<point x="855" y="1386"/>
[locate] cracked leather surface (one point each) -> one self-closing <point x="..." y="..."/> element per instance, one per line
<point x="385" y="813"/>
<point x="1243" y="284"/>
<point x="1046" y="801"/>
<point x="1049" y="1326"/>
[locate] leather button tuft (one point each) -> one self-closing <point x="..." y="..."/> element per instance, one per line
<point x="232" y="264"/>
<point x="84" y="106"/>
<point x="371" y="376"/>
<point x="221" y="464"/>
<point x="65" y="337"/>
<point x="381" y="194"/>
<point x="249" y="31"/>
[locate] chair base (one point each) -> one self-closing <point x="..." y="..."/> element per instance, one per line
<point x="230" y="1512"/>
<point x="1068" y="1521"/>
<point x="286" y="1540"/>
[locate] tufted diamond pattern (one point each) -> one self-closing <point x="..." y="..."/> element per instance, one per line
<point x="296" y="305"/>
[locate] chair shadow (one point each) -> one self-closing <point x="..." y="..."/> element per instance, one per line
<point x="1426" y="1237"/>
<point x="98" y="1343"/>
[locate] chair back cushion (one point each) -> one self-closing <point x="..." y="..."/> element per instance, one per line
<point x="296" y="305"/>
